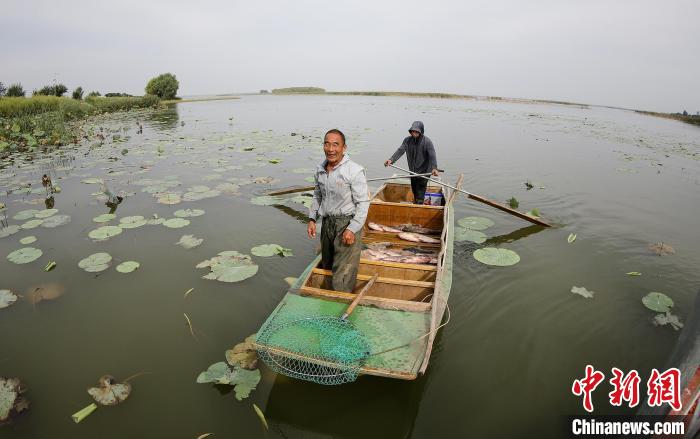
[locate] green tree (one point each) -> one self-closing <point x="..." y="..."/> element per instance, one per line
<point x="164" y="86"/>
<point x="93" y="94"/>
<point x="52" y="90"/>
<point x="59" y="90"/>
<point x="78" y="93"/>
<point x="15" y="90"/>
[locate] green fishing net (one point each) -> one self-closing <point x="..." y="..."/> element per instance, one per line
<point x="323" y="350"/>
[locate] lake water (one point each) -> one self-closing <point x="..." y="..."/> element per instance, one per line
<point x="518" y="337"/>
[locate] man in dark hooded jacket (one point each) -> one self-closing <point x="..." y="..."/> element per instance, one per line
<point x="421" y="158"/>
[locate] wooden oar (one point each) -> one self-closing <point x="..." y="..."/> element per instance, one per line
<point x="293" y="189"/>
<point x="483" y="200"/>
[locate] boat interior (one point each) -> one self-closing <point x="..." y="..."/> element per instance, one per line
<point x="401" y="286"/>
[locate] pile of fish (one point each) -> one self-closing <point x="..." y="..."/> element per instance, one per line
<point x="380" y="251"/>
<point x="417" y="237"/>
<point x="413" y="228"/>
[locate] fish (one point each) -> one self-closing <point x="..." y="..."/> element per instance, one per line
<point x="397" y="256"/>
<point x="415" y="228"/>
<point x="382" y="228"/>
<point x="417" y="237"/>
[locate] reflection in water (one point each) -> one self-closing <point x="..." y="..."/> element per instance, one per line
<point x="388" y="408"/>
<point x="302" y="217"/>
<point x="165" y="119"/>
<point x="49" y="202"/>
<point x="514" y="236"/>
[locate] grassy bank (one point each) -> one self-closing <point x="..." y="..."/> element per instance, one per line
<point x="27" y="123"/>
<point x="695" y="120"/>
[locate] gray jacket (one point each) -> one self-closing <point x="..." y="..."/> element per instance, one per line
<point x="420" y="152"/>
<point x="342" y="192"/>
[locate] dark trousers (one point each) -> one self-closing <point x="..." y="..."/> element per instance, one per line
<point x="418" y="185"/>
<point x="343" y="260"/>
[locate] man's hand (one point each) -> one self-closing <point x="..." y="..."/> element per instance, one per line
<point x="311" y="229"/>
<point x="435" y="173"/>
<point x="348" y="237"/>
<point x="387" y="163"/>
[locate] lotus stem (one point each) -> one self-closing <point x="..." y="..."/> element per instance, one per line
<point x="84" y="413"/>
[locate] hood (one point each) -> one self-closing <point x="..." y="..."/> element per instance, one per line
<point x="417" y="126"/>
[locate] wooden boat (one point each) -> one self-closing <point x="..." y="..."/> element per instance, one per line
<point x="401" y="312"/>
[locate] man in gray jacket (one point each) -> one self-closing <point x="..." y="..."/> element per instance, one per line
<point x="421" y="158"/>
<point x="341" y="200"/>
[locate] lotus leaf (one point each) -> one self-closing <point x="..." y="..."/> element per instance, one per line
<point x="198" y="189"/>
<point x="155" y="189"/>
<point x="658" y="302"/>
<point x="7" y="298"/>
<point x="155" y="221"/>
<point x="24" y="255"/>
<point x="95" y="262"/>
<point x="186" y="213"/>
<point x="275" y="161"/>
<point x="661" y="249"/>
<point x="55" y="221"/>
<point x="105" y="217"/>
<point x="310" y="179"/>
<point x="534" y="213"/>
<point x="45" y="213"/>
<point x="109" y="392"/>
<point x="9" y="230"/>
<point x="25" y="214"/>
<point x="10" y="399"/>
<point x="571" y="238"/>
<point x="266" y="200"/>
<point x="131" y="222"/>
<point x="27" y="240"/>
<point x="462" y="234"/>
<point x="301" y="199"/>
<point x="92" y="181"/>
<point x="189" y="241"/>
<point x="581" y="291"/>
<point x="229" y="266"/>
<point x="128" y="266"/>
<point x="105" y="232"/>
<point x="633" y="273"/>
<point x="244" y="380"/>
<point x="267" y="250"/>
<point x="243" y="354"/>
<point x="668" y="319"/>
<point x="303" y="171"/>
<point x="475" y="223"/>
<point x="500" y="257"/>
<point x="228" y="187"/>
<point x="176" y="223"/>
<point x="169" y="198"/>
<point x="41" y="292"/>
<point x="31" y="224"/>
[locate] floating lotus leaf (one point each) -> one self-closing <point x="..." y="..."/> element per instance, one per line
<point x="581" y="291"/>
<point x="633" y="273"/>
<point x="267" y="250"/>
<point x="27" y="240"/>
<point x="212" y="177"/>
<point x="32" y="224"/>
<point x="155" y="221"/>
<point x="475" y="223"/>
<point x="301" y="199"/>
<point x="131" y="222"/>
<point x="105" y="217"/>
<point x="658" y="302"/>
<point x="534" y="213"/>
<point x="95" y="262"/>
<point x="104" y="233"/>
<point x="309" y="179"/>
<point x="243" y="354"/>
<point x="128" y="266"/>
<point x="266" y="200"/>
<point x="45" y="213"/>
<point x="9" y="230"/>
<point x="55" y="221"/>
<point x="229" y="266"/>
<point x="571" y="238"/>
<point x="661" y="249"/>
<point x="186" y="213"/>
<point x="189" y="241"/>
<point x="92" y="181"/>
<point x="176" y="223"/>
<point x="10" y="400"/>
<point x="230" y="188"/>
<point x="462" y="234"/>
<point x="244" y="380"/>
<point x="7" y="298"/>
<point x="668" y="319"/>
<point x="24" y="255"/>
<point x="155" y="189"/>
<point x="275" y="161"/>
<point x="25" y="214"/>
<point x="198" y="188"/>
<point x="500" y="257"/>
<point x="303" y="171"/>
<point x="109" y="392"/>
<point x="169" y="198"/>
<point x="41" y="292"/>
<point x="264" y="180"/>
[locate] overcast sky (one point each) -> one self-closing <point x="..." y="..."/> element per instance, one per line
<point x="636" y="54"/>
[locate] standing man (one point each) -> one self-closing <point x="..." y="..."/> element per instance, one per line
<point x="341" y="200"/>
<point x="421" y="158"/>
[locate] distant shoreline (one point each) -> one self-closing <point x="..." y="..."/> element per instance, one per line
<point x="198" y="99"/>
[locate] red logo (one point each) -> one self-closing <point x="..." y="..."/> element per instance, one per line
<point x="626" y="388"/>
<point x="587" y="385"/>
<point x="665" y="387"/>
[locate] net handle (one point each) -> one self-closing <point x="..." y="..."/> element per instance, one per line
<point x="354" y="303"/>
